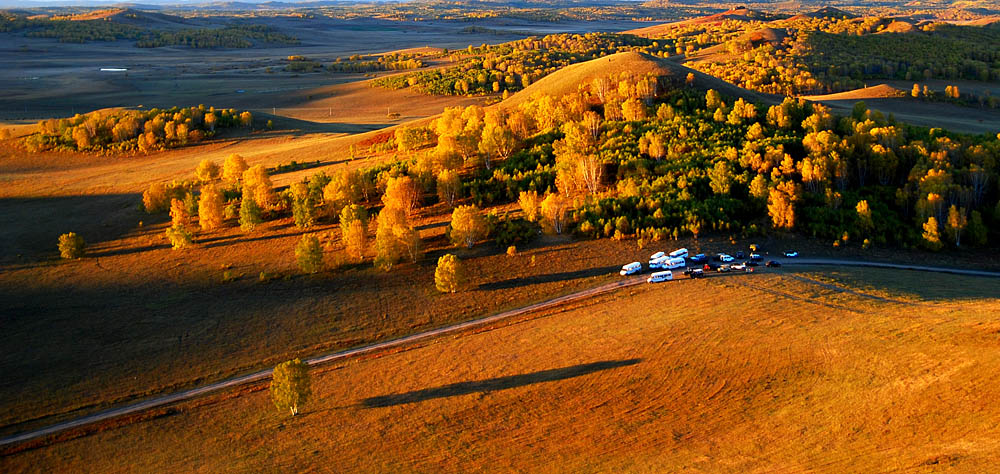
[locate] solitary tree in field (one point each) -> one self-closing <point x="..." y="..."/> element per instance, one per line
<point x="207" y="171"/>
<point x="309" y="254"/>
<point x="449" y="276"/>
<point x="467" y="226"/>
<point x="291" y="386"/>
<point x="70" y="245"/>
<point x="210" y="208"/>
<point x="234" y="166"/>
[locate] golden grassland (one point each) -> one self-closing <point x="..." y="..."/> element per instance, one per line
<point x="762" y="372"/>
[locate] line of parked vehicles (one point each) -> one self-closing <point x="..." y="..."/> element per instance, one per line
<point x="667" y="262"/>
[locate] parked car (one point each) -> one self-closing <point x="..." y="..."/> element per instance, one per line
<point x="740" y="255"/>
<point x="750" y="263"/>
<point x="697" y="273"/>
<point x="756" y="257"/>
<point x="772" y="264"/>
<point x="724" y="269"/>
<point x="631" y="269"/>
<point x="724" y="257"/>
<point x="660" y="276"/>
<point x="700" y="258"/>
<point x="738" y="267"/>
<point x="791" y="254"/>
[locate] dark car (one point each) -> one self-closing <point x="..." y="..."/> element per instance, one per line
<point x="696" y="273"/>
<point x="750" y="263"/>
<point x="699" y="258"/>
<point x="772" y="264"/>
<point x="740" y="254"/>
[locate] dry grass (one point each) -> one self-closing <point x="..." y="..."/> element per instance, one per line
<point x="741" y="373"/>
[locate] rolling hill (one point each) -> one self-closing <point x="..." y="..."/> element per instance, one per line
<point x="568" y="79"/>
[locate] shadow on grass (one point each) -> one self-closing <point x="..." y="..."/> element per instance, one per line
<point x="547" y="278"/>
<point x="495" y="384"/>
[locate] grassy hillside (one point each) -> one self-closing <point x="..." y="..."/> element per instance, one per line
<point x="770" y="372"/>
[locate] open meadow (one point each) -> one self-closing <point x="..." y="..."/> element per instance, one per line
<point x="757" y="372"/>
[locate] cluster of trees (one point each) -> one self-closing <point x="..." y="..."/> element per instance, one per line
<point x="825" y="55"/>
<point x="675" y="163"/>
<point x="83" y="31"/>
<point x="535" y="11"/>
<point x="134" y="130"/>
<point x="385" y="62"/>
<point x="512" y="66"/>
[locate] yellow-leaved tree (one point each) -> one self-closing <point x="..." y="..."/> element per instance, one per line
<point x="291" y="386"/>
<point x="207" y="171"/>
<point x="781" y="204"/>
<point x="554" y="208"/>
<point x="257" y="181"/>
<point x="233" y="168"/>
<point x="449" y="276"/>
<point x="467" y="226"/>
<point x="210" y="208"/>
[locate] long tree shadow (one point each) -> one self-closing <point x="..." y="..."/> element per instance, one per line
<point x="495" y="384"/>
<point x="547" y="278"/>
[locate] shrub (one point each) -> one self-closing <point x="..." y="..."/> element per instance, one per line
<point x="309" y="254"/>
<point x="449" y="276"/>
<point x="515" y="231"/>
<point x="155" y="199"/>
<point x="178" y="236"/>
<point x="70" y="245"/>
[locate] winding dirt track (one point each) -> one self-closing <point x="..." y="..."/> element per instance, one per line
<point x="265" y="374"/>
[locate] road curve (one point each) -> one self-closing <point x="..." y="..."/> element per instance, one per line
<point x="319" y="360"/>
<point x="325" y="359"/>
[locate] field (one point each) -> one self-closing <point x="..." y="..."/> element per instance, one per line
<point x="651" y="146"/>
<point x="772" y="371"/>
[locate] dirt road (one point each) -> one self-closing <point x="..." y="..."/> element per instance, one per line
<point x="265" y="374"/>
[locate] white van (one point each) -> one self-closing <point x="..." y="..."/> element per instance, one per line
<point x="679" y="253"/>
<point x="656" y="256"/>
<point x="673" y="262"/>
<point x="631" y="269"/>
<point x="660" y="276"/>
